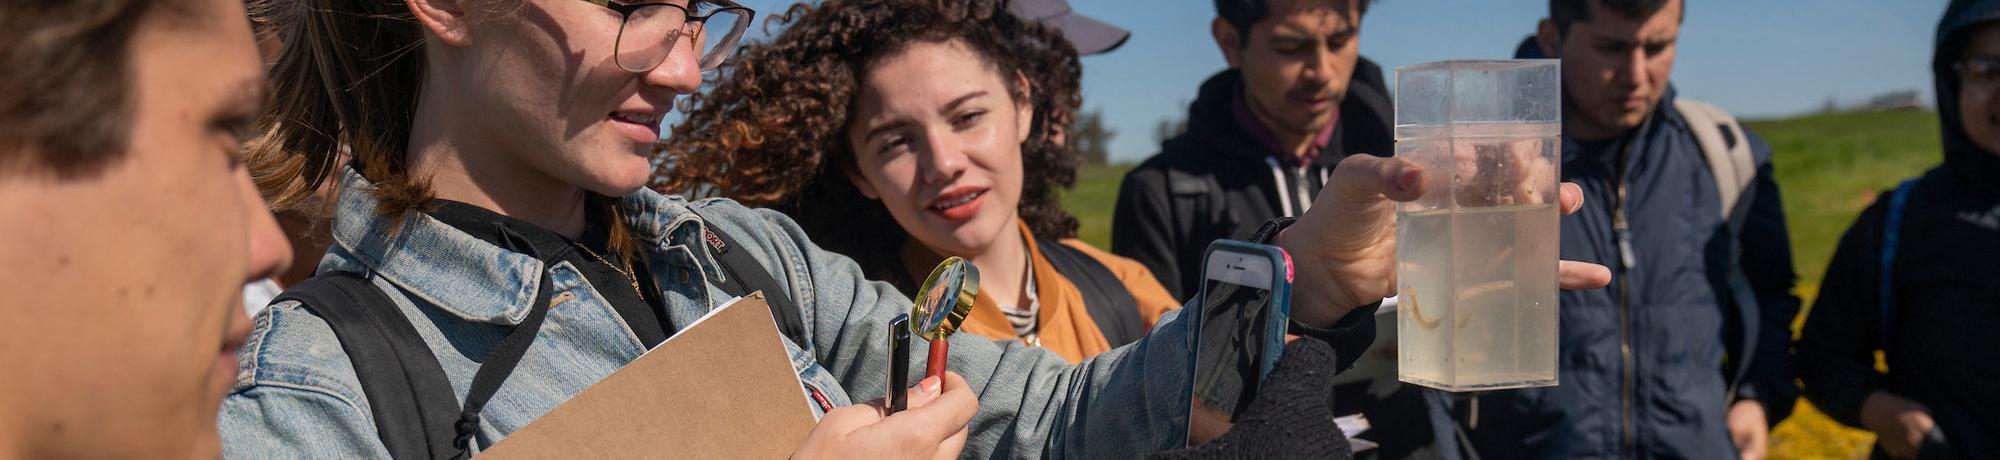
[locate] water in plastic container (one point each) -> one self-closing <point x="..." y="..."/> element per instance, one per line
<point x="1477" y="254"/>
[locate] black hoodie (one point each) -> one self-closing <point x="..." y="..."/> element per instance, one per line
<point x="1217" y="181"/>
<point x="1941" y="347"/>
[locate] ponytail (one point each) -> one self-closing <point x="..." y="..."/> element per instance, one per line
<point x="348" y="75"/>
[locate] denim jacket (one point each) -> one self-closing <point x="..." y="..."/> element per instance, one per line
<point x="296" y="394"/>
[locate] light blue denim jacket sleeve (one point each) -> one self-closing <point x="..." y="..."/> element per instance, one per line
<point x="297" y="394"/>
<point x="307" y="417"/>
<point x="1124" y="403"/>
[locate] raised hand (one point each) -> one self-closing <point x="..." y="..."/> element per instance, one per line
<point x="1344" y="248"/>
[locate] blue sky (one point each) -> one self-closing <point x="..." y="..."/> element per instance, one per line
<point x="1756" y="58"/>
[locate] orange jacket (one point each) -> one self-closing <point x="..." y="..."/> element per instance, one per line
<point x="1065" y="325"/>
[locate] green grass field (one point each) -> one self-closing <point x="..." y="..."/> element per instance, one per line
<point x="1829" y="168"/>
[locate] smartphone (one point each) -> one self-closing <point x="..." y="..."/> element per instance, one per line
<point x="1245" y="306"/>
<point x="899" y="363"/>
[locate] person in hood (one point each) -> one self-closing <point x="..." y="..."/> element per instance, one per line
<point x="1262" y="136"/>
<point x="1925" y="297"/>
<point x="1674" y="360"/>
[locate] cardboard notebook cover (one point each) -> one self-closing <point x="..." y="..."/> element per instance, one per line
<point x="721" y="388"/>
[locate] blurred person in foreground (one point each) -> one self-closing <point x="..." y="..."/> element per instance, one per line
<point x="1915" y="277"/>
<point x="132" y="224"/>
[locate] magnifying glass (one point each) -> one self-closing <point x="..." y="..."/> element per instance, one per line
<point x="940" y="307"/>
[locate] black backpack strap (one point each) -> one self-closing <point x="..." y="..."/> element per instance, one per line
<point x="499" y="364"/>
<point x="406" y="389"/>
<point x="1110" y="304"/>
<point x="744" y="275"/>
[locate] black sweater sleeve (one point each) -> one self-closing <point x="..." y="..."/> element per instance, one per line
<point x="1350" y="336"/>
<point x="1836" y="350"/>
<point x="1143" y="229"/>
<point x="1291" y="417"/>
<point x="1767" y="263"/>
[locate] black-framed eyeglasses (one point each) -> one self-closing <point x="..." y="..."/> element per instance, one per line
<point x="649" y="32"/>
<point x="1979" y="71"/>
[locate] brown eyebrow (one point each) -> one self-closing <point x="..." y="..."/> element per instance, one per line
<point x="953" y="105"/>
<point x="948" y="107"/>
<point x="872" y="132"/>
<point x="1623" y="42"/>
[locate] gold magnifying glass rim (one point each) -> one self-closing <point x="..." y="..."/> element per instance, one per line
<point x="932" y="327"/>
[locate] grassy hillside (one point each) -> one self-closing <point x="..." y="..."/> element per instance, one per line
<point x="1829" y="167"/>
<point x="1092" y="200"/>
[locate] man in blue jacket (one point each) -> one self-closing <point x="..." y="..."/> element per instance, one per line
<point x="1683" y="356"/>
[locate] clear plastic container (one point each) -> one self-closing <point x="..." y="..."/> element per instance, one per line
<point x="1477" y="254"/>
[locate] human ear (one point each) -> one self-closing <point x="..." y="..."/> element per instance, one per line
<point x="1228" y="40"/>
<point x="1024" y="109"/>
<point x="445" y="19"/>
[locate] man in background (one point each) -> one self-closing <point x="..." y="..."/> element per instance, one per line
<point x="1684" y="355"/>
<point x="1262" y="136"/>
<point x="1262" y="140"/>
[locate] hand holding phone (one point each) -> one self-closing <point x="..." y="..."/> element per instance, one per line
<point x="1240" y="322"/>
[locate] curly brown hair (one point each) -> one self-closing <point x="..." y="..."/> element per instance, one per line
<point x="771" y="132"/>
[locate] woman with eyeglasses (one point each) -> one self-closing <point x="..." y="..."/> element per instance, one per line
<point x="494" y="206"/>
<point x="495" y="145"/>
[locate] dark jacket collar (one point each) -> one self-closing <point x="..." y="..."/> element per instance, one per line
<point x="467" y="276"/>
<point x="519" y="235"/>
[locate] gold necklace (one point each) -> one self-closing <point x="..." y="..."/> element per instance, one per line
<point x="627" y="272"/>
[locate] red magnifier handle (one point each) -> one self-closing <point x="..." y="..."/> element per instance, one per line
<point x="934" y="366"/>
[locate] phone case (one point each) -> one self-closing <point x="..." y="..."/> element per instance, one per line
<point x="1281" y="294"/>
<point x="1278" y="316"/>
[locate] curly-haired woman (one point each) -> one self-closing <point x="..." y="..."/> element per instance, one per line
<point x="929" y="150"/>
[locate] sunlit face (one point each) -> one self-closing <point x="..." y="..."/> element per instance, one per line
<point x="1614" y="68"/>
<point x="937" y="139"/>
<point x="540" y="87"/>
<point x="1297" y="61"/>
<point x="129" y="281"/>
<point x="1979" y="94"/>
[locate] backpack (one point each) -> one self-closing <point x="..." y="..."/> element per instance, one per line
<point x="416" y="414"/>
<point x="1727" y="152"/>
<point x="1110" y="304"/>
